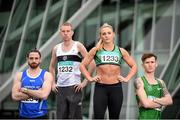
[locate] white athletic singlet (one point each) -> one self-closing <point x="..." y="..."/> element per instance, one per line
<point x="68" y="72"/>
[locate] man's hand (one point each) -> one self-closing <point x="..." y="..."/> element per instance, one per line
<point x="24" y="90"/>
<point x="55" y="88"/>
<point x="79" y="87"/>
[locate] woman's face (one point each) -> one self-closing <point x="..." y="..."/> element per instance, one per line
<point x="107" y="35"/>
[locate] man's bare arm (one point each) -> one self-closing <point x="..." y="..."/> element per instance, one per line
<point x="17" y="95"/>
<point x="52" y="68"/>
<point x="91" y="67"/>
<point x="166" y="99"/>
<point x="43" y="92"/>
<point x="140" y="92"/>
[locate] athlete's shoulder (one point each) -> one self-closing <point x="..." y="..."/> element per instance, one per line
<point x="47" y="73"/>
<point x="44" y="70"/>
<point x="160" y="80"/>
<point x="18" y="75"/>
<point x="79" y="44"/>
<point x="138" y="83"/>
<point x="94" y="49"/>
<point x="123" y="50"/>
<point x="138" y="79"/>
<point x="81" y="48"/>
<point x="56" y="46"/>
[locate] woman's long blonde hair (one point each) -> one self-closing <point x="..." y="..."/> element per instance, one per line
<point x="99" y="45"/>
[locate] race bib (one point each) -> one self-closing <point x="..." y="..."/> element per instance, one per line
<point x="109" y="58"/>
<point x="65" y="67"/>
<point x="30" y="100"/>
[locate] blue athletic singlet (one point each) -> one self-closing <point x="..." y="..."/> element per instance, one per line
<point x="32" y="107"/>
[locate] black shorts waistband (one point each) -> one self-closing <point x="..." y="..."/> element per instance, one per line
<point x="102" y="84"/>
<point x="72" y="86"/>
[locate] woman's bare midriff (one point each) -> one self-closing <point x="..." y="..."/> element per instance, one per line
<point x="108" y="73"/>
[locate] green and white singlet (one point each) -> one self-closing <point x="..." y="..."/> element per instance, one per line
<point x="108" y="57"/>
<point x="152" y="91"/>
<point x="68" y="72"/>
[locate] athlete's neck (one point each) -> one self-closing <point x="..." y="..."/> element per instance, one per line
<point x="150" y="76"/>
<point x="68" y="43"/>
<point x="109" y="46"/>
<point x="34" y="72"/>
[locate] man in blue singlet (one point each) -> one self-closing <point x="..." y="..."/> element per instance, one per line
<point x="32" y="87"/>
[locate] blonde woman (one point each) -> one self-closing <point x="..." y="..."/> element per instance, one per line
<point x="108" y="87"/>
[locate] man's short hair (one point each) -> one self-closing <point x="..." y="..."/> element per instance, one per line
<point x="67" y="24"/>
<point x="33" y="50"/>
<point x="148" y="55"/>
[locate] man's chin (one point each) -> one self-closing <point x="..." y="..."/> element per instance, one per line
<point x="150" y="72"/>
<point x="34" y="66"/>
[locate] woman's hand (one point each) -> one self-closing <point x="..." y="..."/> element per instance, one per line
<point x="122" y="79"/>
<point x="96" y="78"/>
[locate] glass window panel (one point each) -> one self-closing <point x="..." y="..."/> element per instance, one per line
<point x="163" y="25"/>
